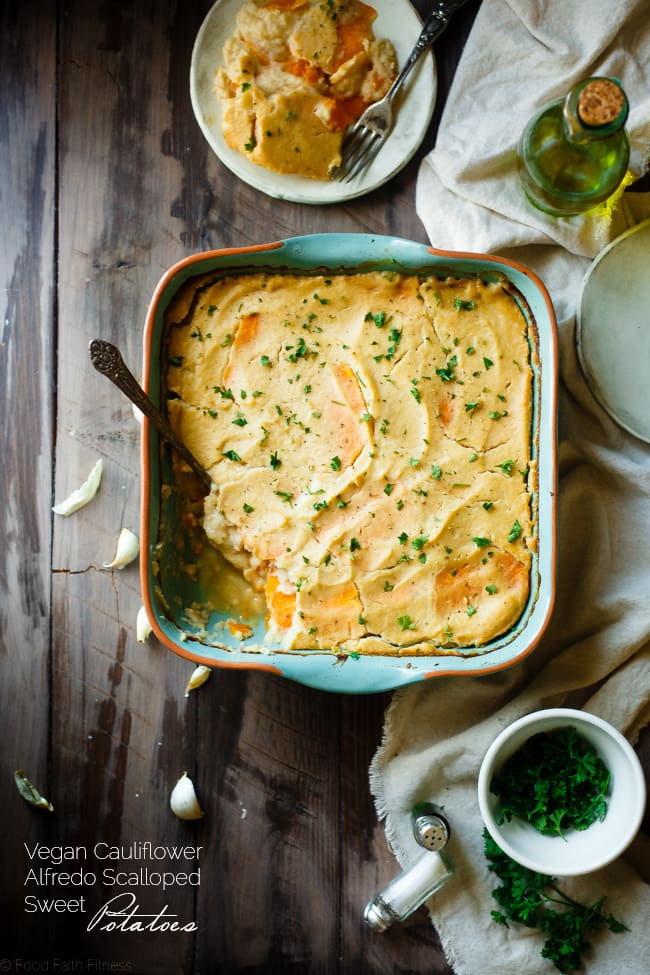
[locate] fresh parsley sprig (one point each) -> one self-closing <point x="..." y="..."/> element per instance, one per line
<point x="535" y="900"/>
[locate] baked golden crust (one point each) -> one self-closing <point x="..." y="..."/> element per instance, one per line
<point x="296" y="73"/>
<point x="369" y="440"/>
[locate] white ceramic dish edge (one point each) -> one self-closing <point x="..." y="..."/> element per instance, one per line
<point x="613" y="329"/>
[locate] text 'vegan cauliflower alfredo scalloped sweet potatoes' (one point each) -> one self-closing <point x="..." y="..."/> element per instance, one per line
<point x="295" y="74"/>
<point x="369" y="440"/>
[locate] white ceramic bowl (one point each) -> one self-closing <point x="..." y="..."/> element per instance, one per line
<point x="579" y="851"/>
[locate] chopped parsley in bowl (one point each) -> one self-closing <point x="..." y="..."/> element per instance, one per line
<point x="561" y="792"/>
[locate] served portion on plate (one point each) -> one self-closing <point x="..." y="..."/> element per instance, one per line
<point x="295" y="76"/>
<point x="378" y="420"/>
<point x="274" y="84"/>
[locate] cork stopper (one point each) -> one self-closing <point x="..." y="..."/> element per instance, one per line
<point x="601" y="102"/>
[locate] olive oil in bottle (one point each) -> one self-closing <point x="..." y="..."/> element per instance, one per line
<point x="574" y="153"/>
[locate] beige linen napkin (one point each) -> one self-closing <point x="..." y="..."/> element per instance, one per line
<point x="596" y="651"/>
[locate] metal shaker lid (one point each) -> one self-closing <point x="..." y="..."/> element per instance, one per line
<point x="378" y="915"/>
<point x="430" y="828"/>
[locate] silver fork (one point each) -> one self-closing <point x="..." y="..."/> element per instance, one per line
<point x="370" y="131"/>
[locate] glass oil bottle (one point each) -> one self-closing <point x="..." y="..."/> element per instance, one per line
<point x="574" y="152"/>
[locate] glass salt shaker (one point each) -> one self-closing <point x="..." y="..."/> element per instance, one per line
<point x="411" y="888"/>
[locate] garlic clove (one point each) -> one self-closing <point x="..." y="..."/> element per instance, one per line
<point x="128" y="549"/>
<point x="83" y="494"/>
<point x="183" y="800"/>
<point x="143" y="627"/>
<point x="199" y="676"/>
<point x="29" y="792"/>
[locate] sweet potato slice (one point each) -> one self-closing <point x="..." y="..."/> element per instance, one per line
<point x="281" y="605"/>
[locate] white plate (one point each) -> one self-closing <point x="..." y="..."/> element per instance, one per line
<point x="396" y="20"/>
<point x="613" y="330"/>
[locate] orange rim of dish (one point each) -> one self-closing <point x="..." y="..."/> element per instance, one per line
<point x="195" y="657"/>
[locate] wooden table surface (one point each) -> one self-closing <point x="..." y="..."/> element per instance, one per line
<point x="106" y="181"/>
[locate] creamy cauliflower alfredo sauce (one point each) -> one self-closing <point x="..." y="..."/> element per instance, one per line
<point x="295" y="74"/>
<point x="369" y="440"/>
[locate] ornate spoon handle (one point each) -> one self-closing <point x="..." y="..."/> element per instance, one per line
<point x="435" y="24"/>
<point x="107" y="359"/>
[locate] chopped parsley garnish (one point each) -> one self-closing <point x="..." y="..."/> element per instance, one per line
<point x="275" y="461"/>
<point x="379" y="318"/>
<point x="231" y="455"/>
<point x="300" y="351"/>
<point x="481" y="542"/>
<point x="406" y="622"/>
<point x="515" y="532"/>
<point x="447" y="373"/>
<point x="460" y="304"/>
<point x="555" y="781"/>
<point x="507" y="467"/>
<point x="395" y="338"/>
<point x="335" y="463"/>
<point x="487" y="362"/>
<point x="285" y="495"/>
<point x="436" y="472"/>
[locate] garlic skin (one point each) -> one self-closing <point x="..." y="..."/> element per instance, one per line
<point x="83" y="494"/>
<point x="30" y="793"/>
<point x="128" y="549"/>
<point x="143" y="627"/>
<point x="183" y="800"/>
<point x="199" y="676"/>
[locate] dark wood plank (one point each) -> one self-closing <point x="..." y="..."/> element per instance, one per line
<point x="27" y="192"/>
<point x="123" y="732"/>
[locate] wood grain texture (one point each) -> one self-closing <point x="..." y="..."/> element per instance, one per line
<point x="106" y="182"/>
<point x="27" y="195"/>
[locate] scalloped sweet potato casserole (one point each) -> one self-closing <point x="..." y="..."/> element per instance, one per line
<point x="369" y="440"/>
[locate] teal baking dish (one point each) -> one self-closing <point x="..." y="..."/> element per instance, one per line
<point x="168" y="588"/>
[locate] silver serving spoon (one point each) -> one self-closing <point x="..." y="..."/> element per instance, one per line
<point x="108" y="360"/>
